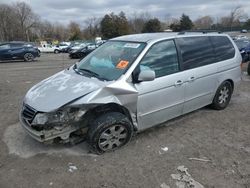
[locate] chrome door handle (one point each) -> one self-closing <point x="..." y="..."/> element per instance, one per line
<point x="178" y="83"/>
<point x="191" y="79"/>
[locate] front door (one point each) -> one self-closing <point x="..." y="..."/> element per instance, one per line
<point x="161" y="99"/>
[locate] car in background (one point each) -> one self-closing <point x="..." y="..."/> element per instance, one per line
<point x="61" y="47"/>
<point x="82" y="52"/>
<point x="47" y="48"/>
<point x="18" y="51"/>
<point x="243" y="31"/>
<point x="77" y="47"/>
<point x="244" y="48"/>
<point x="68" y="48"/>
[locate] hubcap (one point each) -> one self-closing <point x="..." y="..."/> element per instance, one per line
<point x="28" y="57"/>
<point x="224" y="94"/>
<point x="112" y="137"/>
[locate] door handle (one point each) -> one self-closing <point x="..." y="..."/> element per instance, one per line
<point x="191" y="79"/>
<point x="178" y="83"/>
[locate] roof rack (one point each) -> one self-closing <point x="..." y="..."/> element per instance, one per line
<point x="198" y="31"/>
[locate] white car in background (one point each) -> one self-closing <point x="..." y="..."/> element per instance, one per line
<point x="47" y="48"/>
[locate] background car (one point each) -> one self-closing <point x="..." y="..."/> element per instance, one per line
<point x="18" y="51"/>
<point x="244" y="48"/>
<point x="61" y="47"/>
<point x="82" y="52"/>
<point x="47" y="48"/>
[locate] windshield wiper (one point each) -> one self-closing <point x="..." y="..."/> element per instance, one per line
<point x="92" y="73"/>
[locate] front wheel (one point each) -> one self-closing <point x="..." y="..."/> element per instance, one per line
<point x="222" y="96"/>
<point x="56" y="51"/>
<point x="28" y="57"/>
<point x="109" y="132"/>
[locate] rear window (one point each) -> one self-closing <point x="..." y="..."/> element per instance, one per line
<point x="196" y="51"/>
<point x="223" y="48"/>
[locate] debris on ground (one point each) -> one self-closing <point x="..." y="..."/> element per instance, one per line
<point x="164" y="185"/>
<point x="184" y="179"/>
<point x="72" y="167"/>
<point x="200" y="159"/>
<point x="164" y="149"/>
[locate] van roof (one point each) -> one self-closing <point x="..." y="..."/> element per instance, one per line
<point x="147" y="37"/>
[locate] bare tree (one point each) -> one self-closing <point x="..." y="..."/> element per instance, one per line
<point x="92" y="28"/>
<point x="137" y="21"/>
<point x="26" y="19"/>
<point x="75" y="31"/>
<point x="204" y="22"/>
<point x="7" y="23"/>
<point x="233" y="19"/>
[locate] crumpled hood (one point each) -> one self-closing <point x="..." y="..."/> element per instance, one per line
<point x="60" y="89"/>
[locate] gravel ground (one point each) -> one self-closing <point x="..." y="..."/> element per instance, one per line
<point x="213" y="145"/>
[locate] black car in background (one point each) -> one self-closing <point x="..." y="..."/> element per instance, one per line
<point x="18" y="51"/>
<point x="82" y="52"/>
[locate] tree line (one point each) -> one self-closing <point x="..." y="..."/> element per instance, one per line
<point x="19" y="22"/>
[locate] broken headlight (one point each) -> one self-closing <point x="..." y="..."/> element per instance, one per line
<point x="61" y="116"/>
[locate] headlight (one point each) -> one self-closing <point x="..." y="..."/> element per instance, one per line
<point x="60" y="116"/>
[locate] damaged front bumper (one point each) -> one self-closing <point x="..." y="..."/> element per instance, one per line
<point x="49" y="135"/>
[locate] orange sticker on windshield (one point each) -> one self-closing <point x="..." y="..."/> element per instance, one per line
<point x="122" y="64"/>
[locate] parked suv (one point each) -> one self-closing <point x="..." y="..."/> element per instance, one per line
<point x="18" y="51"/>
<point x="132" y="83"/>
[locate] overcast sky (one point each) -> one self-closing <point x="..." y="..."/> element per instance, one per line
<point x="64" y="11"/>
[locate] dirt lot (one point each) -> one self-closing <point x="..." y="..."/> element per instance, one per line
<point x="213" y="145"/>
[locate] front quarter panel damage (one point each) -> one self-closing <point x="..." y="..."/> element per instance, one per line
<point x="120" y="92"/>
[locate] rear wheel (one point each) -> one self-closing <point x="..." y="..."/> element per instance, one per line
<point x="222" y="96"/>
<point x="56" y="51"/>
<point x="109" y="132"/>
<point x="28" y="57"/>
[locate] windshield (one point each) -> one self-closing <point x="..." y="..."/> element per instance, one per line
<point x="111" y="60"/>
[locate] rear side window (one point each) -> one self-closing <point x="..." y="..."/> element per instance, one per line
<point x="162" y="58"/>
<point x="4" y="46"/>
<point x="223" y="48"/>
<point x="196" y="51"/>
<point x="16" y="45"/>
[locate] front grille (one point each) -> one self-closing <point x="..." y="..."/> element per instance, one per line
<point x="28" y="113"/>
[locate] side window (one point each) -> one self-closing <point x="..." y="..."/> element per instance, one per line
<point x="16" y="45"/>
<point x="162" y="58"/>
<point x="4" y="46"/>
<point x="196" y="51"/>
<point x="223" y="48"/>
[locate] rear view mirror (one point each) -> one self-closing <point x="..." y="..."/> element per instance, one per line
<point x="146" y="75"/>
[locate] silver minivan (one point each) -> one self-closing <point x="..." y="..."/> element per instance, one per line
<point x="132" y="83"/>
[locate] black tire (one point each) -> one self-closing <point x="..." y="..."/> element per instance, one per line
<point x="28" y="57"/>
<point x="56" y="51"/>
<point x="222" y="96"/>
<point x="109" y="132"/>
<point x="248" y="68"/>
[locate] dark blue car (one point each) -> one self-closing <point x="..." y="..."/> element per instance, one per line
<point x="18" y="51"/>
<point x="245" y="52"/>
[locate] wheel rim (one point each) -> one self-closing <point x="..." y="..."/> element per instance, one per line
<point x="112" y="137"/>
<point x="224" y="95"/>
<point x="28" y="57"/>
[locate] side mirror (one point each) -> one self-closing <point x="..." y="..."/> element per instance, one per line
<point x="146" y="75"/>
